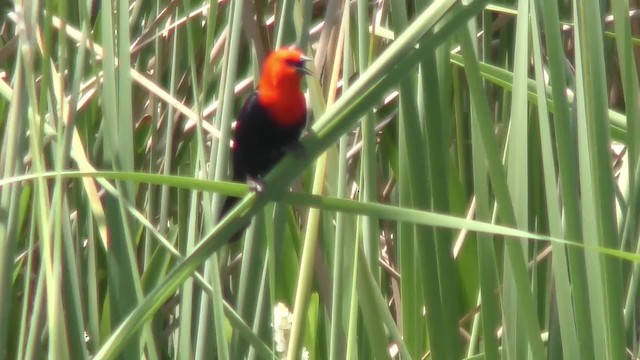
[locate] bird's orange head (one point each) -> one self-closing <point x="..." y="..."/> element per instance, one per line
<point x="279" y="88"/>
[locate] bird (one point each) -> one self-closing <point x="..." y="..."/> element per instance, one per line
<point x="271" y="119"/>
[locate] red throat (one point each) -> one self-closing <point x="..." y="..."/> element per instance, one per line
<point x="279" y="89"/>
<point x="287" y="109"/>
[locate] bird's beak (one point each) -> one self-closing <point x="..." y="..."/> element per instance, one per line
<point x="302" y="69"/>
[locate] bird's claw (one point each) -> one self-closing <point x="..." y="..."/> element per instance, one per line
<point x="256" y="184"/>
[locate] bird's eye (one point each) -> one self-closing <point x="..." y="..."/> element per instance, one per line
<point x="295" y="63"/>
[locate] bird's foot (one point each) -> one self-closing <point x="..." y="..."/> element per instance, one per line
<point x="256" y="184"/>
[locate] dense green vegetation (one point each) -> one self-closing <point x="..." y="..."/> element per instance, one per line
<point x="468" y="187"/>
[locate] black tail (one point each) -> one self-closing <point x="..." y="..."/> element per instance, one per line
<point x="229" y="203"/>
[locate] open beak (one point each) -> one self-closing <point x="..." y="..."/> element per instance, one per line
<point x="301" y="68"/>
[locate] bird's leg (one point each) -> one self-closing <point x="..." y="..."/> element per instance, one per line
<point x="256" y="184"/>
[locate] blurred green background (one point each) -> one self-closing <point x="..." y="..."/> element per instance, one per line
<point x="469" y="187"/>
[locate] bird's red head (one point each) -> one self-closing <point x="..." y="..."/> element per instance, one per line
<point x="279" y="88"/>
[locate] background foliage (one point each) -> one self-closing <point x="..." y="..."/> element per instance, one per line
<point x="468" y="189"/>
